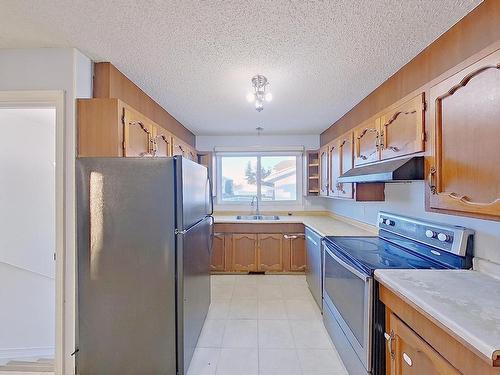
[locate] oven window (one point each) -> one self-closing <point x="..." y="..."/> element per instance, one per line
<point x="347" y="292"/>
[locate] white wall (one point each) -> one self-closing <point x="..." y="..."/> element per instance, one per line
<point x="208" y="142"/>
<point x="56" y="69"/>
<point x="27" y="227"/>
<point x="409" y="200"/>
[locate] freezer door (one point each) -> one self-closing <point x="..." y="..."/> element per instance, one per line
<point x="193" y="257"/>
<point x="126" y="266"/>
<point x="193" y="192"/>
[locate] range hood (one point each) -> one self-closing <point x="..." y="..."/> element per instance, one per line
<point x="398" y="170"/>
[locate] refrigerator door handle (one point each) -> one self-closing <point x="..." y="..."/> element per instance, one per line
<point x="212" y="235"/>
<point x="210" y="197"/>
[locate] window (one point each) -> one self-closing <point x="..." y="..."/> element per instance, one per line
<point x="272" y="177"/>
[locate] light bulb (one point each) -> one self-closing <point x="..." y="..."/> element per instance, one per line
<point x="259" y="105"/>
<point x="250" y="97"/>
<point x="269" y="97"/>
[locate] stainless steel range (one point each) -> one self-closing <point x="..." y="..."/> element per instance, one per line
<point x="352" y="314"/>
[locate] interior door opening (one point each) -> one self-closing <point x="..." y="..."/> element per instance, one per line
<point x="28" y="238"/>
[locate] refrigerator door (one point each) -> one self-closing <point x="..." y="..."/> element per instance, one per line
<point x="193" y="257"/>
<point x="193" y="192"/>
<point x="126" y="266"/>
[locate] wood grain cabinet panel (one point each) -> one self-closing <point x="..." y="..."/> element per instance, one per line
<point x="324" y="170"/>
<point x="162" y="142"/>
<point x="244" y="252"/>
<point x="218" y="256"/>
<point x="335" y="166"/>
<point x="366" y="137"/>
<point x="137" y="134"/>
<point x="411" y="355"/>
<point x="464" y="172"/>
<point x="346" y="149"/>
<point x="402" y="129"/>
<point x="297" y="247"/>
<point x="270" y="252"/>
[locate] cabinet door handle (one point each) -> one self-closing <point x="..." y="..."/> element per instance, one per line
<point x="390" y="338"/>
<point x="432" y="184"/>
<point x="289" y="237"/>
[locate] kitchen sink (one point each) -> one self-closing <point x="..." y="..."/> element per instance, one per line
<point x="257" y="217"/>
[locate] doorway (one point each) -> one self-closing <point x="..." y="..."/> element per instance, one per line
<point x="31" y="230"/>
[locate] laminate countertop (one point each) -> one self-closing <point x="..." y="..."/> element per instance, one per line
<point x="324" y="225"/>
<point x="464" y="303"/>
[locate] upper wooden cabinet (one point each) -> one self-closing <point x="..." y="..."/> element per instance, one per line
<point x="324" y="171"/>
<point x="366" y="138"/>
<point x="137" y="134"/>
<point x="110" y="127"/>
<point x="402" y="129"/>
<point x="334" y="167"/>
<point x="270" y="252"/>
<point x="162" y="142"/>
<point x="464" y="172"/>
<point x="396" y="132"/>
<point x="341" y="160"/>
<point x="183" y="149"/>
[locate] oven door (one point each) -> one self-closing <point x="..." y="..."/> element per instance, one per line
<point x="348" y="293"/>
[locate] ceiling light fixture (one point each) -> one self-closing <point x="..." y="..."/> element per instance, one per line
<point x="259" y="83"/>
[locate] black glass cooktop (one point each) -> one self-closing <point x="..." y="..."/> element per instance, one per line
<point x="371" y="253"/>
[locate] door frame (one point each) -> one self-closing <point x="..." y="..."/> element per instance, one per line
<point x="52" y="98"/>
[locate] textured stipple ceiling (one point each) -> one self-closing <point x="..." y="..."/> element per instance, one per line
<point x="196" y="58"/>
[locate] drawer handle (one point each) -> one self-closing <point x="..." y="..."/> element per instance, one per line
<point x="407" y="359"/>
<point x="289" y="237"/>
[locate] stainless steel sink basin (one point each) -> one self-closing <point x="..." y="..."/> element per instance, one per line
<point x="257" y="217"/>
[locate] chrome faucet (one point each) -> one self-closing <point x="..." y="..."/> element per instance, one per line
<point x="255" y="199"/>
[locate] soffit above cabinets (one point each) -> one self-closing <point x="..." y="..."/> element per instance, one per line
<point x="196" y="59"/>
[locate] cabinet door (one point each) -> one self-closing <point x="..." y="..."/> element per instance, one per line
<point x="218" y="257"/>
<point x="366" y="137"/>
<point x="192" y="155"/>
<point x="244" y="249"/>
<point x="179" y="148"/>
<point x="334" y="155"/>
<point x="346" y="151"/>
<point x="324" y="169"/>
<point x="270" y="252"/>
<point x="402" y="129"/>
<point x="411" y="355"/>
<point x="137" y="134"/>
<point x="162" y="142"/>
<point x="465" y="117"/>
<point x="297" y="251"/>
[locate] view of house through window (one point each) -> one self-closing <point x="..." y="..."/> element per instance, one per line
<point x="271" y="178"/>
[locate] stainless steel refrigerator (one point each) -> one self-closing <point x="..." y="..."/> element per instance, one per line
<point x="144" y="237"/>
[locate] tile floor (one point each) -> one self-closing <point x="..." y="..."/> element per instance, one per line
<point x="264" y="325"/>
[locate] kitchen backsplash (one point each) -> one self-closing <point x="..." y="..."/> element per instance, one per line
<point x="408" y="199"/>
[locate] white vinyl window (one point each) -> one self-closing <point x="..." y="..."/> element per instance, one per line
<point x="274" y="178"/>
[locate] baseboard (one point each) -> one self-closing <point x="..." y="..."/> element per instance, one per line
<point x="16" y="353"/>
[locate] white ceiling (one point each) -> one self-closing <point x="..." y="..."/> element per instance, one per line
<point x="196" y="58"/>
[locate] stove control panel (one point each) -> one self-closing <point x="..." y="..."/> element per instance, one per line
<point x="450" y="238"/>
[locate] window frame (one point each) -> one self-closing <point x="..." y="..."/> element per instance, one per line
<point x="259" y="154"/>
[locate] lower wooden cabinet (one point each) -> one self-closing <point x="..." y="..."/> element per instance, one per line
<point x="417" y="345"/>
<point x="296" y="246"/>
<point x="270" y="252"/>
<point x="411" y="355"/>
<point x="244" y="252"/>
<point x="258" y="248"/>
<point x="218" y="256"/>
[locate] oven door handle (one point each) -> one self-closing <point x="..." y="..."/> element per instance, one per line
<point x="347" y="266"/>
